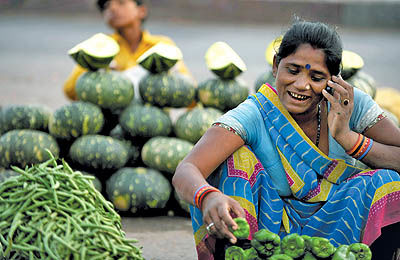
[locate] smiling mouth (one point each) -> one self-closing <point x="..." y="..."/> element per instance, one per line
<point x="298" y="96"/>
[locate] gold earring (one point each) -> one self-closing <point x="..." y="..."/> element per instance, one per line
<point x="308" y="87"/>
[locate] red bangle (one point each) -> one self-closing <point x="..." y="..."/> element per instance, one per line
<point x="363" y="148"/>
<point x="202" y="193"/>
<point x="356" y="145"/>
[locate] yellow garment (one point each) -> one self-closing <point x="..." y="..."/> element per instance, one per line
<point x="125" y="59"/>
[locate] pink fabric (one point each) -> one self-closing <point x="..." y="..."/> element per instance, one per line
<point x="384" y="212"/>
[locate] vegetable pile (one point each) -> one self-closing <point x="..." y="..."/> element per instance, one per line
<point x="268" y="245"/>
<point x="50" y="211"/>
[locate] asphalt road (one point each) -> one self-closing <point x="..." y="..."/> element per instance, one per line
<point x="34" y="64"/>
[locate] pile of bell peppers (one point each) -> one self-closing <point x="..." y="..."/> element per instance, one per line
<point x="268" y="245"/>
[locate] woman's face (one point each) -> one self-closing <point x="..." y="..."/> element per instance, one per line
<point x="306" y="66"/>
<point x="122" y="13"/>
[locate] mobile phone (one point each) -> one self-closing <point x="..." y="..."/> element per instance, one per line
<point x="329" y="89"/>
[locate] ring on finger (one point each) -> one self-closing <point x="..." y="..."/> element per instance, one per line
<point x="346" y="102"/>
<point x="210" y="226"/>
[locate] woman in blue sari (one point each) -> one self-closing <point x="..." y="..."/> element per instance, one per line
<point x="284" y="158"/>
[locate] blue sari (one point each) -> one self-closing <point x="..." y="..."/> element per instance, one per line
<point x="329" y="197"/>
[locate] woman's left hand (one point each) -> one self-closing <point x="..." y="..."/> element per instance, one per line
<point x="341" y="106"/>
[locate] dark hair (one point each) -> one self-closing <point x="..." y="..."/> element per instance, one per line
<point x="319" y="36"/>
<point x="102" y="3"/>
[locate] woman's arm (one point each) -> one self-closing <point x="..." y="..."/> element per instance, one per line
<point x="385" y="152"/>
<point x="209" y="152"/>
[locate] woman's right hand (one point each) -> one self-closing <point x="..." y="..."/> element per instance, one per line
<point x="220" y="209"/>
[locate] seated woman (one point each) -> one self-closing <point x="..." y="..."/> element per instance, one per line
<point x="286" y="156"/>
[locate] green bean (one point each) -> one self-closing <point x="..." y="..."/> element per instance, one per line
<point x="47" y="247"/>
<point x="53" y="189"/>
<point x="63" y="242"/>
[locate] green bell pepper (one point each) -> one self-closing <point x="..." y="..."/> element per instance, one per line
<point x="280" y="257"/>
<point x="322" y="247"/>
<point x="243" y="230"/>
<point x="266" y="242"/>
<point x="251" y="254"/>
<point x="343" y="253"/>
<point x="235" y="253"/>
<point x="293" y="245"/>
<point x="361" y="250"/>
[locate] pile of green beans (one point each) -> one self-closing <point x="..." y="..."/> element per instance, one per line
<point x="50" y="211"/>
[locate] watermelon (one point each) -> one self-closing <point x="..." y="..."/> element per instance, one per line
<point x="107" y="89"/>
<point x="165" y="153"/>
<point x="138" y="189"/>
<point x="364" y="82"/>
<point x="34" y="117"/>
<point x="194" y="123"/>
<point x="160" y="58"/>
<point x="265" y="77"/>
<point x="351" y="63"/>
<point x="76" y="119"/>
<point x="6" y="173"/>
<point x="167" y="90"/>
<point x="222" y="94"/>
<point x="224" y="61"/>
<point x="99" y="152"/>
<point x="96" y="52"/>
<point x="22" y="147"/>
<point x="145" y="121"/>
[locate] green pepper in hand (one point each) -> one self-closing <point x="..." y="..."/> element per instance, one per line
<point x="235" y="253"/>
<point x="266" y="242"/>
<point x="361" y="250"/>
<point x="293" y="245"/>
<point x="343" y="253"/>
<point x="322" y="247"/>
<point x="243" y="230"/>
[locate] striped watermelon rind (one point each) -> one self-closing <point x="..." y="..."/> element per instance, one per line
<point x="22" y="147"/>
<point x="145" y="121"/>
<point x="35" y="117"/>
<point x="160" y="58"/>
<point x="224" y="61"/>
<point x="96" y="52"/>
<point x="222" y="94"/>
<point x="99" y="152"/>
<point x="76" y="119"/>
<point x="167" y="90"/>
<point x="192" y="124"/>
<point x="107" y="89"/>
<point x="137" y="189"/>
<point x="165" y="153"/>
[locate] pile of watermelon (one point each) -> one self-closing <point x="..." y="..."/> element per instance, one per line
<point x="131" y="146"/>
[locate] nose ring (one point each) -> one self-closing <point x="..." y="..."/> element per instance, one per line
<point x="308" y="87"/>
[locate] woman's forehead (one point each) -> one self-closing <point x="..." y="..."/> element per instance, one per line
<point x="306" y="54"/>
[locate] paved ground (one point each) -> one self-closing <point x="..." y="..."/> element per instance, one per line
<point x="34" y="64"/>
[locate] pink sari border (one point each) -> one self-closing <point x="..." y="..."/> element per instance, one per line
<point x="384" y="212"/>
